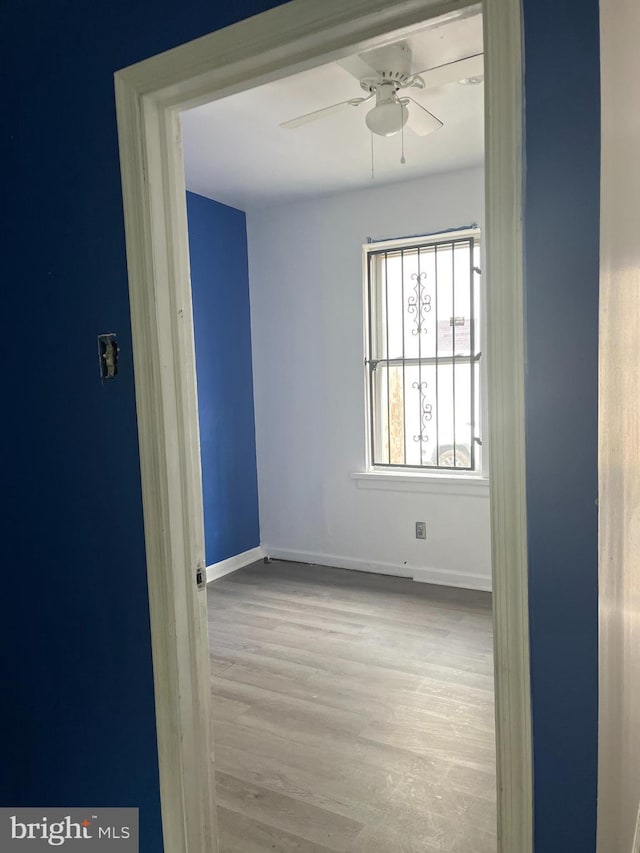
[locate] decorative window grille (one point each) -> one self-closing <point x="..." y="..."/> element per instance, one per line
<point x="423" y="360"/>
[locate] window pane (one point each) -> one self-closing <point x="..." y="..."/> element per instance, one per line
<point x="388" y="395"/>
<point x="424" y="371"/>
<point x="421" y="425"/>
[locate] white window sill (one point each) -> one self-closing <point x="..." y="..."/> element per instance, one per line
<point x="417" y="481"/>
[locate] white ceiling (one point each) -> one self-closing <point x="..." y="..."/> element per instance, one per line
<point x="236" y="152"/>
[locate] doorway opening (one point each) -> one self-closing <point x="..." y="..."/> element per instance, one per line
<point x="347" y="707"/>
<point x="150" y="98"/>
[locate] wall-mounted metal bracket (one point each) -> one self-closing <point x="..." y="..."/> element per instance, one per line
<point x="108" y="351"/>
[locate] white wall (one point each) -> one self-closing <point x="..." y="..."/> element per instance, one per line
<point x="619" y="433"/>
<point x="305" y="273"/>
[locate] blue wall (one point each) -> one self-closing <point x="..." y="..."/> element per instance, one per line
<point x="77" y="713"/>
<point x="221" y="317"/>
<point x="561" y="292"/>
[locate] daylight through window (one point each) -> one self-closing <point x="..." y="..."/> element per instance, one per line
<point x="423" y="359"/>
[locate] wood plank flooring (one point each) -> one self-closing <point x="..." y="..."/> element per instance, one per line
<point x="353" y="713"/>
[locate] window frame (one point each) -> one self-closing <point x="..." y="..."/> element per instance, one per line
<point x="378" y="473"/>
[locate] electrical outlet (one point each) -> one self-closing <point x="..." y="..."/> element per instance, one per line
<point x="421" y="529"/>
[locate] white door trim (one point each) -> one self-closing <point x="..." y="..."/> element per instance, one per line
<point x="149" y="95"/>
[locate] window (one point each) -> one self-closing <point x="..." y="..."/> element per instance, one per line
<point x="423" y="352"/>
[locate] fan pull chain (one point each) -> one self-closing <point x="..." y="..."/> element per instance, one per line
<point x="373" y="177"/>
<point x="402" y="160"/>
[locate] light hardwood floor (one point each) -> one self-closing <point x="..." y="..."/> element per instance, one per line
<point x="353" y="712"/>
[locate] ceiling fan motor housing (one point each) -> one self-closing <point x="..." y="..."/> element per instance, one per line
<point x="392" y="65"/>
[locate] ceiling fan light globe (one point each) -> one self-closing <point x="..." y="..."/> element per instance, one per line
<point x="387" y="119"/>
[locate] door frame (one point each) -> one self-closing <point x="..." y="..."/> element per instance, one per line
<point x="149" y="96"/>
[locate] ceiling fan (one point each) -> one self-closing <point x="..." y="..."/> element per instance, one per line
<point x="384" y="73"/>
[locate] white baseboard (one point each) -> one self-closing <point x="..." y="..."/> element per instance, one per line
<point x="442" y="577"/>
<point x="232" y="564"/>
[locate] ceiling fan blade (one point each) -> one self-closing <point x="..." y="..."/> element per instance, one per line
<point x="358" y="67"/>
<point x="420" y="120"/>
<point x="451" y="72"/>
<point x="325" y="111"/>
